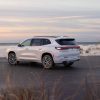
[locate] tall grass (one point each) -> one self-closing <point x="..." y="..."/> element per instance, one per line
<point x="53" y="93"/>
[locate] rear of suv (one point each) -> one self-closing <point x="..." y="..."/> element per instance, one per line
<point x="48" y="50"/>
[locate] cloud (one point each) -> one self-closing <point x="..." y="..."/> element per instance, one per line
<point x="53" y="25"/>
<point x="30" y="17"/>
<point x="51" y="4"/>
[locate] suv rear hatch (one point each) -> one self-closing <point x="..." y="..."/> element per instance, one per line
<point x="68" y="47"/>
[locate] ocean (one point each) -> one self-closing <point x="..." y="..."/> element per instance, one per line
<point x="80" y="43"/>
<point x="88" y="43"/>
<point x="5" y="46"/>
<point x="8" y="44"/>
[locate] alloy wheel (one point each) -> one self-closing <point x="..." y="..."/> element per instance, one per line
<point x="47" y="61"/>
<point x="12" y="58"/>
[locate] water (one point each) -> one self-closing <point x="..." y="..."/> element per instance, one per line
<point x="8" y="44"/>
<point x="88" y="43"/>
<point x="4" y="47"/>
<point x="80" y="43"/>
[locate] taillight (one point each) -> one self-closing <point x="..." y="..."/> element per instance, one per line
<point x="67" y="47"/>
<point x="58" y="48"/>
<point x="77" y="47"/>
<point x="61" y="48"/>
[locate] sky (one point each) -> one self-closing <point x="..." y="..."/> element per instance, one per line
<point x="20" y="19"/>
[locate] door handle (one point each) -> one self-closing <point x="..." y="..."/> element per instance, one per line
<point x="40" y="49"/>
<point x="27" y="48"/>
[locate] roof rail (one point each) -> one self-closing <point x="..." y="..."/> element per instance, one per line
<point x="47" y="36"/>
<point x="63" y="36"/>
<point x="51" y="36"/>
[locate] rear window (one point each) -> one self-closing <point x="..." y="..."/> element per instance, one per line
<point x="66" y="41"/>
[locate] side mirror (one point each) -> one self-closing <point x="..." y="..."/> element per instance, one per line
<point x="19" y="45"/>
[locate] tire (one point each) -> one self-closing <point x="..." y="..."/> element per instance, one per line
<point x="12" y="60"/>
<point x="68" y="64"/>
<point x="47" y="61"/>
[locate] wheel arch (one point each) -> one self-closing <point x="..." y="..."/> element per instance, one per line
<point x="11" y="52"/>
<point x="46" y="53"/>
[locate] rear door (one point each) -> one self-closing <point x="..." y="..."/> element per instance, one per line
<point x="38" y="47"/>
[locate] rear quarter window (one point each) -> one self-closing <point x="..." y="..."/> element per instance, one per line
<point x="66" y="41"/>
<point x="46" y="41"/>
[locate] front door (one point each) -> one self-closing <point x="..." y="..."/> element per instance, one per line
<point x="36" y="49"/>
<point x="24" y="49"/>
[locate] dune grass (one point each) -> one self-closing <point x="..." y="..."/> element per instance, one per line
<point x="91" y="91"/>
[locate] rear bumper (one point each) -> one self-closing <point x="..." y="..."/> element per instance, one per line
<point x="67" y="59"/>
<point x="70" y="61"/>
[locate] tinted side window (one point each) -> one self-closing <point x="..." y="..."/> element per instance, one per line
<point x="66" y="41"/>
<point x="46" y="41"/>
<point x="26" y="42"/>
<point x="36" y="42"/>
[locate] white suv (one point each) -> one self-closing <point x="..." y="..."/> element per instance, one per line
<point x="48" y="50"/>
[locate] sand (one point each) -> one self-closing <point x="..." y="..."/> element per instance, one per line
<point x="86" y="50"/>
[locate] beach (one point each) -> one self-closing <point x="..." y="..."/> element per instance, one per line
<point x="86" y="50"/>
<point x="3" y="50"/>
<point x="90" y="50"/>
